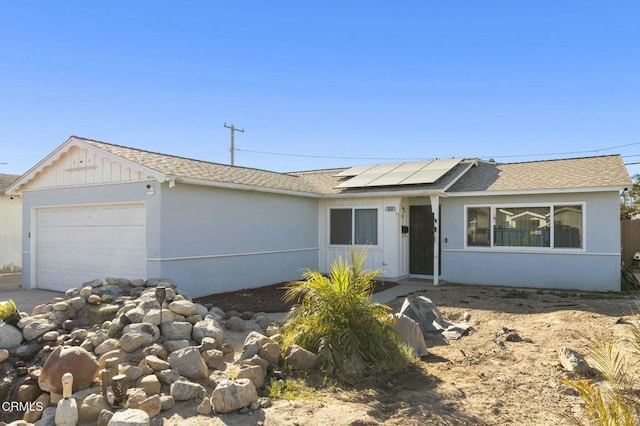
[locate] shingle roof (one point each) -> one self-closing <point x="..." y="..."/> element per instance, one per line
<point x="325" y="182"/>
<point x="586" y="172"/>
<point x="575" y="173"/>
<point x="5" y="181"/>
<point x="197" y="169"/>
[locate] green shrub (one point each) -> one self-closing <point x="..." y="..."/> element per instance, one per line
<point x="337" y="319"/>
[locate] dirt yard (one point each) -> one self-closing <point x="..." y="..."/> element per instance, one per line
<point x="480" y="379"/>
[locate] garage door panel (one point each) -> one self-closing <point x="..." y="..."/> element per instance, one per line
<point x="75" y="245"/>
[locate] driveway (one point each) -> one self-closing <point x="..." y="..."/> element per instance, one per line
<point x="25" y="300"/>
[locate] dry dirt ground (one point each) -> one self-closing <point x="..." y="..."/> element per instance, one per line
<point x="480" y="379"/>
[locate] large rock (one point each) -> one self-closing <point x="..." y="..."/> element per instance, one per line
<point x="183" y="390"/>
<point x="208" y="327"/>
<point x="75" y="360"/>
<point x="255" y="373"/>
<point x="90" y="407"/>
<point x="150" y="331"/>
<point x="152" y="405"/>
<point x="157" y="316"/>
<point x="37" y="328"/>
<point x="299" y="358"/>
<point x="178" y="330"/>
<point x="150" y="384"/>
<point x="252" y="344"/>
<point x="183" y="307"/>
<point x="189" y="363"/>
<point x="573" y="361"/>
<point x="130" y="342"/>
<point x="10" y="336"/>
<point x="214" y="359"/>
<point x="410" y="334"/>
<point x="232" y="395"/>
<point x="271" y="352"/>
<point x="130" y="417"/>
<point x="156" y="363"/>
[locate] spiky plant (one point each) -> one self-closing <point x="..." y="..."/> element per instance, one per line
<point x="613" y="401"/>
<point x="337" y="319"/>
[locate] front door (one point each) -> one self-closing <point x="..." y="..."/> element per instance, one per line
<point x="420" y="240"/>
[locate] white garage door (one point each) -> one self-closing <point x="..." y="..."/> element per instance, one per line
<point x="78" y="244"/>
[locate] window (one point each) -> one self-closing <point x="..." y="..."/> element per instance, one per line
<point x="521" y="227"/>
<point x="550" y="226"/>
<point x="567" y="226"/>
<point x="353" y="226"/>
<point x="478" y="226"/>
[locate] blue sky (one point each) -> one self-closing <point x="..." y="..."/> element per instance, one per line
<point x="364" y="81"/>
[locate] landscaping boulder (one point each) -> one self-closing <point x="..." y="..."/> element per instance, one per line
<point x="178" y="330"/>
<point x="232" y="395"/>
<point x="183" y="390"/>
<point x="299" y="358"/>
<point x="255" y="373"/>
<point x="75" y="360"/>
<point x="129" y="417"/>
<point x="208" y="327"/>
<point x="91" y="406"/>
<point x="189" y="363"/>
<point x="37" y="328"/>
<point x="183" y="307"/>
<point x="10" y="336"/>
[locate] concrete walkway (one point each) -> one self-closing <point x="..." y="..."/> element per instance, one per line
<point x="403" y="288"/>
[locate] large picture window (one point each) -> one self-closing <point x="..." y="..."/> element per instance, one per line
<point x="353" y="226"/>
<point x="550" y="226"/>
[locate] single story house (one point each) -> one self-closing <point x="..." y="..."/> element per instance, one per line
<point x="94" y="209"/>
<point x="10" y="228"/>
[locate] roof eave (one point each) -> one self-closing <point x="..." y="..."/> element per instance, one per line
<point x="537" y="191"/>
<point x="243" y="187"/>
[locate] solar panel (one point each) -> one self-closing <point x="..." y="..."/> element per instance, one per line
<point x="414" y="172"/>
<point x="355" y="171"/>
<point x="432" y="172"/>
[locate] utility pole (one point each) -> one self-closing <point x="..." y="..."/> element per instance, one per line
<point x="233" y="130"/>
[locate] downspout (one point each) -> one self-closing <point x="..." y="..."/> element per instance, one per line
<point x="435" y="207"/>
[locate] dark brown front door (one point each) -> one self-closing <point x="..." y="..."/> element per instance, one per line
<point x="420" y="240"/>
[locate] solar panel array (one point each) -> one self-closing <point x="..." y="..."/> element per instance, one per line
<point x="390" y="174"/>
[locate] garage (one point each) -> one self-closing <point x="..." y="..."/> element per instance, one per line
<point x="75" y="244"/>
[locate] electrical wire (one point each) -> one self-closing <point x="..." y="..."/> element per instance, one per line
<point x="590" y="151"/>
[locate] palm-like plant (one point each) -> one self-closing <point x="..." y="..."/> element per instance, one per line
<point x="337" y="319"/>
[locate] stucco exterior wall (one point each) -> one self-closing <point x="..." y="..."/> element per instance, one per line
<point x="216" y="240"/>
<point x="10" y="234"/>
<point x="596" y="267"/>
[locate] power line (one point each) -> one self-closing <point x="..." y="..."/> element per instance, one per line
<point x="283" y="154"/>
<point x="328" y="156"/>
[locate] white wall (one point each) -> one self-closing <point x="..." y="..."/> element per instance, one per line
<point x="10" y="234"/>
<point x="387" y="254"/>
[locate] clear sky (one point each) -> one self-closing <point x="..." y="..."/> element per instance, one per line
<point x="361" y="80"/>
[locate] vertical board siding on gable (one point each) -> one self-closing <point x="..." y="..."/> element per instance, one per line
<point x="80" y="166"/>
<point x="386" y="255"/>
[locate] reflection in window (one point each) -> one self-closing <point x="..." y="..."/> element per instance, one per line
<point x="353" y="226"/>
<point x="567" y="226"/>
<point x="522" y="227"/>
<point x="478" y="226"/>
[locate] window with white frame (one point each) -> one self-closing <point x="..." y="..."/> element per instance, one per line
<point x="357" y="226"/>
<point x="542" y="226"/>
